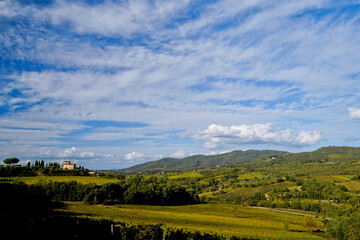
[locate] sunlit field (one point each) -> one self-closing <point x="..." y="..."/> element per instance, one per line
<point x="186" y="175"/>
<point x="80" y="179"/>
<point x="224" y="219"/>
<point x="345" y="180"/>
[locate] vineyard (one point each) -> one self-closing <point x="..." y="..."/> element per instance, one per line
<point x="79" y="179"/>
<point x="218" y="219"/>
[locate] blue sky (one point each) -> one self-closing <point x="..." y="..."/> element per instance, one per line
<point x="110" y="84"/>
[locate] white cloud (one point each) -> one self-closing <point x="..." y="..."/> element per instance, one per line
<point x="234" y="60"/>
<point x="178" y="154"/>
<point x="354" y="113"/>
<point x="108" y="136"/>
<point x="120" y="18"/>
<point x="217" y="136"/>
<point x="107" y="18"/>
<point x="46" y="153"/>
<point x="87" y="154"/>
<point x="134" y="155"/>
<point x="109" y="155"/>
<point x="69" y="152"/>
<point x="10" y="8"/>
<point x="148" y="75"/>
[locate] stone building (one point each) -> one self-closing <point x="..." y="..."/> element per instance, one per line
<point x="68" y="165"/>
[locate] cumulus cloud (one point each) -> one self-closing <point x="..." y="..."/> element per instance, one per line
<point x="69" y="152"/>
<point x="218" y="136"/>
<point x="178" y="154"/>
<point x="134" y="155"/>
<point x="354" y="113"/>
<point x="73" y="152"/>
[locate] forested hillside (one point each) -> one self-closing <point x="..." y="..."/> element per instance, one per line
<point x="325" y="160"/>
<point x="202" y="161"/>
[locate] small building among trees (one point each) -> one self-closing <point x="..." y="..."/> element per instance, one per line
<point x="68" y="165"/>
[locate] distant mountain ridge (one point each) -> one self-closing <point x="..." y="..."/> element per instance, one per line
<point x="332" y="160"/>
<point x="323" y="154"/>
<point x="202" y="161"/>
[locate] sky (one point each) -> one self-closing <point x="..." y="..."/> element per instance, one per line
<point x="111" y="84"/>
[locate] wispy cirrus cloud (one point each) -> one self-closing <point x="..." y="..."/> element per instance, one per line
<point x="105" y="17"/>
<point x="110" y="18"/>
<point x="176" y="66"/>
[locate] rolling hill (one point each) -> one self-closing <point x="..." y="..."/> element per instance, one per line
<point x="325" y="160"/>
<point x="202" y="161"/>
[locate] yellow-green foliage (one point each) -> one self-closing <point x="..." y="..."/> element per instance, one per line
<point x="327" y="178"/>
<point x="251" y="175"/>
<point x="340" y="180"/>
<point x="257" y="174"/>
<point x="212" y="218"/>
<point x="246" y="176"/>
<point x="344" y="177"/>
<point x="351" y="185"/>
<point x="80" y="179"/>
<point x="232" y="195"/>
<point x="339" y="156"/>
<point x="186" y="175"/>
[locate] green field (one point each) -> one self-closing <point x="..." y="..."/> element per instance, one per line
<point x="251" y="175"/>
<point x="245" y="176"/>
<point x="186" y="175"/>
<point x="257" y="174"/>
<point x="224" y="219"/>
<point x="345" y="180"/>
<point x="80" y="179"/>
<point x="232" y="194"/>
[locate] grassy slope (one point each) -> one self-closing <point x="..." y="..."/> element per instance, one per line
<point x="216" y="218"/>
<point x="186" y="175"/>
<point x="353" y="186"/>
<point x="80" y="179"/>
<point x="251" y="175"/>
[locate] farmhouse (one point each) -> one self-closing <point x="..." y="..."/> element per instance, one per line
<point x="68" y="165"/>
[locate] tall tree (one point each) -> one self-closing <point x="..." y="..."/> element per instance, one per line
<point x="11" y="161"/>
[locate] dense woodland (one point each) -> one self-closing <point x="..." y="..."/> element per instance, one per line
<point x="324" y="182"/>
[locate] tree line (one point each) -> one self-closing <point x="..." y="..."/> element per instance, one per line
<point x="38" y="167"/>
<point x="135" y="189"/>
<point x="312" y="195"/>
